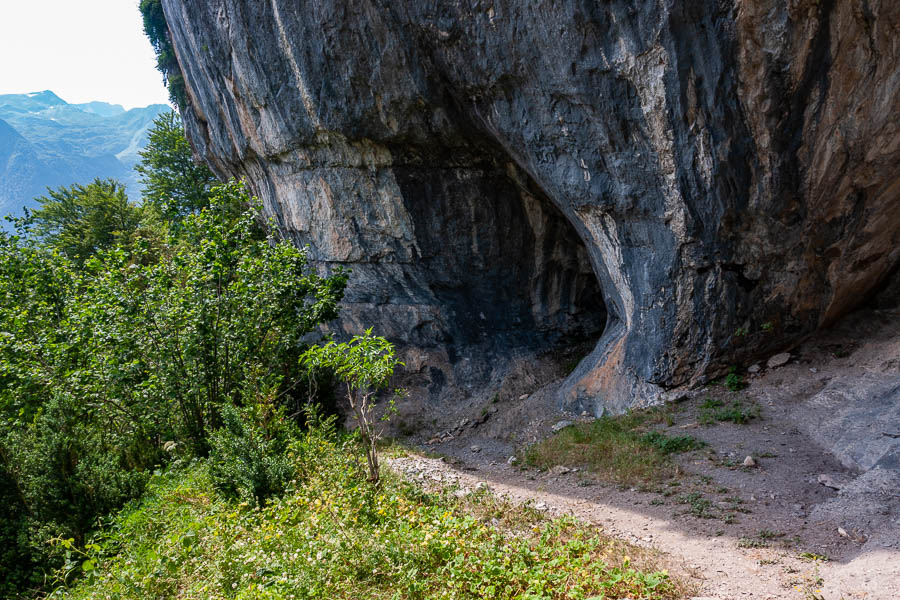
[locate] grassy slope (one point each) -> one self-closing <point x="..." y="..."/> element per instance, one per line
<point x="334" y="536"/>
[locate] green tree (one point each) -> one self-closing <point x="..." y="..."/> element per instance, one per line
<point x="365" y="365"/>
<point x="109" y="362"/>
<point x="157" y="31"/>
<point x="173" y="183"/>
<point x="83" y="219"/>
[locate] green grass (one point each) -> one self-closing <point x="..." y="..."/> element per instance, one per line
<point x="714" y="410"/>
<point x="618" y="449"/>
<point x="734" y="382"/>
<point x="700" y="507"/>
<point x="746" y="542"/>
<point x="671" y="445"/>
<point x="335" y="536"/>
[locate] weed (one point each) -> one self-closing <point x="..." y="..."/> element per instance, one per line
<point x="619" y="449"/>
<point x="767" y="326"/>
<point x="809" y="585"/>
<point x="710" y="403"/>
<point x="700" y="507"/>
<point x="734" y="381"/>
<point x="671" y="445"/>
<point x="811" y="556"/>
<point x="840" y="351"/>
<point x="746" y="542"/>
<point x="766" y="534"/>
<point x="736" y="412"/>
<point x="741" y="332"/>
<point x="729" y="462"/>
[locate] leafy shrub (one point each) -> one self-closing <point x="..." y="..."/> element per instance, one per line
<point x="107" y="357"/>
<point x="334" y="536"/>
<point x="173" y="184"/>
<point x="246" y="460"/>
<point x="66" y="473"/>
<point x="734" y="382"/>
<point x="83" y="219"/>
<point x="157" y="31"/>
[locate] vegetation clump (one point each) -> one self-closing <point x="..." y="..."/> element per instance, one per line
<point x="365" y="365"/>
<point x="619" y="449"/>
<point x="734" y="381"/>
<point x="157" y="31"/>
<point x="714" y="410"/>
<point x="333" y="535"/>
<point x="131" y="336"/>
<point x="173" y="184"/>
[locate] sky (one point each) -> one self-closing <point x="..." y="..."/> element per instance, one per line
<point x="82" y="50"/>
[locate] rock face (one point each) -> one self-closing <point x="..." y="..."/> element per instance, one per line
<point x="691" y="183"/>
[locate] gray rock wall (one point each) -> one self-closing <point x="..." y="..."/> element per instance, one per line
<point x="712" y="179"/>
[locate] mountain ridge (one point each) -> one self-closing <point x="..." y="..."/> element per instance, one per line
<point x="46" y="142"/>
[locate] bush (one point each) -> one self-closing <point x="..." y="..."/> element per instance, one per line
<point x="248" y="460"/>
<point x="106" y="358"/>
<point x="81" y="220"/>
<point x="157" y="31"/>
<point x="334" y="536"/>
<point x="734" y="382"/>
<point x="66" y="473"/>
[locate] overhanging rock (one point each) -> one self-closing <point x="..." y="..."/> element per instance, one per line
<point x="695" y="183"/>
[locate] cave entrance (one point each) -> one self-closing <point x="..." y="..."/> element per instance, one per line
<point x="509" y="271"/>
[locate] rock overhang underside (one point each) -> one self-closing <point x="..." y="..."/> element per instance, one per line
<point x="682" y="186"/>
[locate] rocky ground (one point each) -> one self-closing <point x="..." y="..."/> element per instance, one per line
<point x="814" y="512"/>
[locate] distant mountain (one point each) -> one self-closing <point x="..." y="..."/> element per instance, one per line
<point x="47" y="142"/>
<point x="101" y="108"/>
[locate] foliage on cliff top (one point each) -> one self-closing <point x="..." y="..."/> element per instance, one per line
<point x="157" y="31"/>
<point x="335" y="536"/>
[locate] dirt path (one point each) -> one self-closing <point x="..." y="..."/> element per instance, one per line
<point x="825" y="483"/>
<point x="714" y="563"/>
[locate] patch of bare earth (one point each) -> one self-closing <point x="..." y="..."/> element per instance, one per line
<point x="815" y="514"/>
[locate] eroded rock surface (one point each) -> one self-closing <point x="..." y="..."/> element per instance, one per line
<point x="710" y="180"/>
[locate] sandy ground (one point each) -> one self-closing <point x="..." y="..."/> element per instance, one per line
<point x="817" y="516"/>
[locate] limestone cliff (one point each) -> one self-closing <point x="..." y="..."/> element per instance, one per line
<point x="691" y="183"/>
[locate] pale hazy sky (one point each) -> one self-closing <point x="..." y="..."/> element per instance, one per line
<point x="81" y="49"/>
